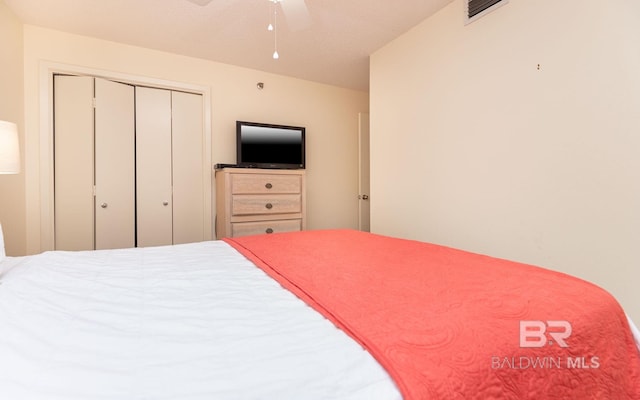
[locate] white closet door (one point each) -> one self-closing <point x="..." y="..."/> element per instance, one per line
<point x="114" y="165"/>
<point x="73" y="161"/>
<point x="189" y="223"/>
<point x="153" y="167"/>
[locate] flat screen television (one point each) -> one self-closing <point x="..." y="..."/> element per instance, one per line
<point x="270" y="146"/>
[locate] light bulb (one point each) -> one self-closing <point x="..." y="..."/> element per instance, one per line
<point x="270" y="27"/>
<point x="276" y="55"/>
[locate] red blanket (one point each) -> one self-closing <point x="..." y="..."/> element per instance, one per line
<point x="448" y="324"/>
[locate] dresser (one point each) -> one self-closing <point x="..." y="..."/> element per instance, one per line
<point x="251" y="201"/>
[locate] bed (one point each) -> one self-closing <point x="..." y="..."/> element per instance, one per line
<point x="331" y="314"/>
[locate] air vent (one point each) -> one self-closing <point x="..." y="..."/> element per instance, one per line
<point x="478" y="8"/>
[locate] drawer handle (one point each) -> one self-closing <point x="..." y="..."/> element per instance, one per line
<point x="269" y="206"/>
<point x="269" y="230"/>
<point x="268" y="185"/>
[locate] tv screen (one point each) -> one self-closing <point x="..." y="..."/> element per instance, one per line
<point x="270" y="146"/>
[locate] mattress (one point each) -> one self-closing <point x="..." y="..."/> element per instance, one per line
<point x="212" y="321"/>
<point x="192" y="321"/>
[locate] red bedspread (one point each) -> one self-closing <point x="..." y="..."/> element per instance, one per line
<point x="448" y="324"/>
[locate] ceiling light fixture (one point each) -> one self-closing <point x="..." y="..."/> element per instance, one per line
<point x="271" y="9"/>
<point x="274" y="27"/>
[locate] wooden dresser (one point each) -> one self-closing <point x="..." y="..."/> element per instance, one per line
<point x="251" y="201"/>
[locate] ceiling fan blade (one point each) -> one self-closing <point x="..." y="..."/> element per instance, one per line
<point x="296" y="13"/>
<point x="201" y="2"/>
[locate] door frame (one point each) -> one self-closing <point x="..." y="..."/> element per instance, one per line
<point x="47" y="71"/>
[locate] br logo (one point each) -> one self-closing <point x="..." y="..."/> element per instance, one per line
<point x="541" y="333"/>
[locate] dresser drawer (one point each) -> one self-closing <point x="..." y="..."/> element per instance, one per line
<point x="257" y="228"/>
<point x="265" y="183"/>
<point x="256" y="204"/>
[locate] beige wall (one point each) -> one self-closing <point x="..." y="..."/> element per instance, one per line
<point x="12" y="187"/>
<point x="329" y="113"/>
<point x="475" y="146"/>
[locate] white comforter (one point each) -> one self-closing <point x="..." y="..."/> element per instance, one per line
<point x="186" y="322"/>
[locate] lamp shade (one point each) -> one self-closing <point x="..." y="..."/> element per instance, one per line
<point x="9" y="149"/>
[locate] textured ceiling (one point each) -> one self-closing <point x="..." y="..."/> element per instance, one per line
<point x="330" y="43"/>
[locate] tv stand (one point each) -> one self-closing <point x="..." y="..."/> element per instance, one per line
<point x="251" y="201"/>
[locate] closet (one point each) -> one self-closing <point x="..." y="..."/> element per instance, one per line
<point x="128" y="165"/>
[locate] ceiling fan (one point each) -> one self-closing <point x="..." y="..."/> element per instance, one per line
<point x="295" y="11"/>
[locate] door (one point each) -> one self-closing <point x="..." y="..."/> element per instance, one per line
<point x="363" y="176"/>
<point x="153" y="167"/>
<point x="73" y="161"/>
<point x="170" y="153"/>
<point x="114" y="165"/>
<point x="93" y="157"/>
<point x="188" y="150"/>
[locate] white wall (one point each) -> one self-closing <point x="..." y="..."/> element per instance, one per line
<point x="12" y="187"/>
<point x="329" y="113"/>
<point x="516" y="136"/>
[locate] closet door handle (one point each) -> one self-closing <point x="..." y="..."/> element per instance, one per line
<point x="165" y="203"/>
<point x="103" y="205"/>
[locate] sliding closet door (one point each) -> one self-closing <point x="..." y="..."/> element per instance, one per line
<point x="114" y="165"/>
<point x="188" y="154"/>
<point x="153" y="167"/>
<point x="73" y="161"/>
